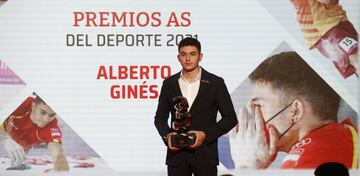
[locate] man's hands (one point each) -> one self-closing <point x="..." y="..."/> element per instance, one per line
<point x="200" y="138"/>
<point x="174" y="149"/>
<point x="15" y="151"/>
<point x="57" y="153"/>
<point x="248" y="142"/>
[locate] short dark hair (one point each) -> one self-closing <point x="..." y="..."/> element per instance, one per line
<point x="288" y="72"/>
<point x="331" y="169"/>
<point x="189" y="41"/>
<point x="38" y="100"/>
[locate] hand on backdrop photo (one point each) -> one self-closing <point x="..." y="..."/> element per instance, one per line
<point x="253" y="145"/>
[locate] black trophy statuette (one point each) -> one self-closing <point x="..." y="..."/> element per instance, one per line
<point x="181" y="124"/>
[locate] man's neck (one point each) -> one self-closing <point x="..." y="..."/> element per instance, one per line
<point x="191" y="75"/>
<point x="288" y="140"/>
<point x="311" y="124"/>
<point x="301" y="129"/>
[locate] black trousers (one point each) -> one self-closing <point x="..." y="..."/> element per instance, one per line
<point x="190" y="167"/>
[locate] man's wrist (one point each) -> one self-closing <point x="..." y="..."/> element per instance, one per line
<point x="167" y="138"/>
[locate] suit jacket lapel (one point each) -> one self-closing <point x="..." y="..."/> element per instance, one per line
<point x="205" y="83"/>
<point x="175" y="84"/>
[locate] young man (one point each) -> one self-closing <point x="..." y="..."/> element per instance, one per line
<point x="292" y="110"/>
<point x="33" y="122"/>
<point x="325" y="26"/>
<point x="206" y="95"/>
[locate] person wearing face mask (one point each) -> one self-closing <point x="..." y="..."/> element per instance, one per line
<point x="292" y="110"/>
<point x="32" y="123"/>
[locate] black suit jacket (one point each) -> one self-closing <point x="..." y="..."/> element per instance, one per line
<point x="212" y="97"/>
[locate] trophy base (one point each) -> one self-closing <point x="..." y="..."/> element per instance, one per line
<point x="182" y="139"/>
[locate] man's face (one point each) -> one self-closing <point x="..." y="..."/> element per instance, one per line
<point x="189" y="57"/>
<point x="270" y="103"/>
<point x="42" y="114"/>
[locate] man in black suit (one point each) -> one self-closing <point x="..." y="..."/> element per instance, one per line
<point x="206" y="94"/>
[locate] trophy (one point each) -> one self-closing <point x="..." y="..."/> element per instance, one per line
<point x="181" y="123"/>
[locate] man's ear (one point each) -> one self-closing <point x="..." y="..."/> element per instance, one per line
<point x="201" y="56"/>
<point x="297" y="110"/>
